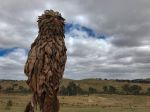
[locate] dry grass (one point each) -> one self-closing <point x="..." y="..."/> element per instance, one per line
<point x="93" y="103"/>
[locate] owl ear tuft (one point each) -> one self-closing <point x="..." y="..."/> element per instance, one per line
<point x="61" y="18"/>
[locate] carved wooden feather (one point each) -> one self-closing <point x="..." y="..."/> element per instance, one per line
<point x="46" y="62"/>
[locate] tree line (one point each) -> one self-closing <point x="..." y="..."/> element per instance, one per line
<point x="75" y="89"/>
<point x="15" y="88"/>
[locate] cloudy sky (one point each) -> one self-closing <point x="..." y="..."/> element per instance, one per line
<point x="104" y="38"/>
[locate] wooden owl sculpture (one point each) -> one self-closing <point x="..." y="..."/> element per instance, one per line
<point x="46" y="62"/>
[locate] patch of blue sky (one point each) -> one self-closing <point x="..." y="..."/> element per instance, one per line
<point x="91" y="33"/>
<point x="5" y="51"/>
<point x="69" y="27"/>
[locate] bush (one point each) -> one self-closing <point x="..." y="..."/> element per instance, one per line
<point x="9" y="89"/>
<point x="148" y="91"/>
<point x="24" y="90"/>
<point x="133" y="89"/>
<point x="126" y="88"/>
<point x="109" y="89"/>
<point x="105" y="89"/>
<point x="112" y="89"/>
<point x="15" y="85"/>
<point x="21" y="88"/>
<point x="0" y="87"/>
<point x="63" y="90"/>
<point x="92" y="90"/>
<point x="71" y="89"/>
<point x="9" y="105"/>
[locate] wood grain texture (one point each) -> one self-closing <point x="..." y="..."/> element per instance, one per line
<point x="46" y="62"/>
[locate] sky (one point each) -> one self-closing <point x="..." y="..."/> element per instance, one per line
<point x="104" y="38"/>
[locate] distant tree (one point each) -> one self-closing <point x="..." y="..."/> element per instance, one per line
<point x="92" y="90"/>
<point x="135" y="89"/>
<point x="21" y="87"/>
<point x="9" y="104"/>
<point x="126" y="88"/>
<point x="105" y="89"/>
<point x="9" y="89"/>
<point x="79" y="90"/>
<point x="0" y="87"/>
<point x="24" y="90"/>
<point x="72" y="89"/>
<point x="63" y="90"/>
<point x="14" y="85"/>
<point x="111" y="89"/>
<point x="148" y="91"/>
<point x="98" y="79"/>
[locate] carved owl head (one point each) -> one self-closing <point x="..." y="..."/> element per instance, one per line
<point x="51" y="22"/>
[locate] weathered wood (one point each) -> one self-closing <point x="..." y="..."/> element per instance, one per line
<point x="46" y="62"/>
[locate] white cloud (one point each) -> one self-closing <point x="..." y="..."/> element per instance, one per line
<point x="93" y="57"/>
<point x="123" y="54"/>
<point x="88" y="57"/>
<point x="11" y="65"/>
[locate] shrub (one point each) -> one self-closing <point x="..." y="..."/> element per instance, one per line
<point x="126" y="88"/>
<point x="9" y="105"/>
<point x="9" y="89"/>
<point x="148" y="91"/>
<point x="0" y="87"/>
<point x="14" y="85"/>
<point x="63" y="90"/>
<point x="92" y="90"/>
<point x="135" y="89"/>
<point x="112" y="89"/>
<point x="105" y="89"/>
<point x="24" y="90"/>
<point x="72" y="89"/>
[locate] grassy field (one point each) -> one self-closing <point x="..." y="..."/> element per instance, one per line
<point x="84" y="103"/>
<point x="84" y="84"/>
<point x="92" y="103"/>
